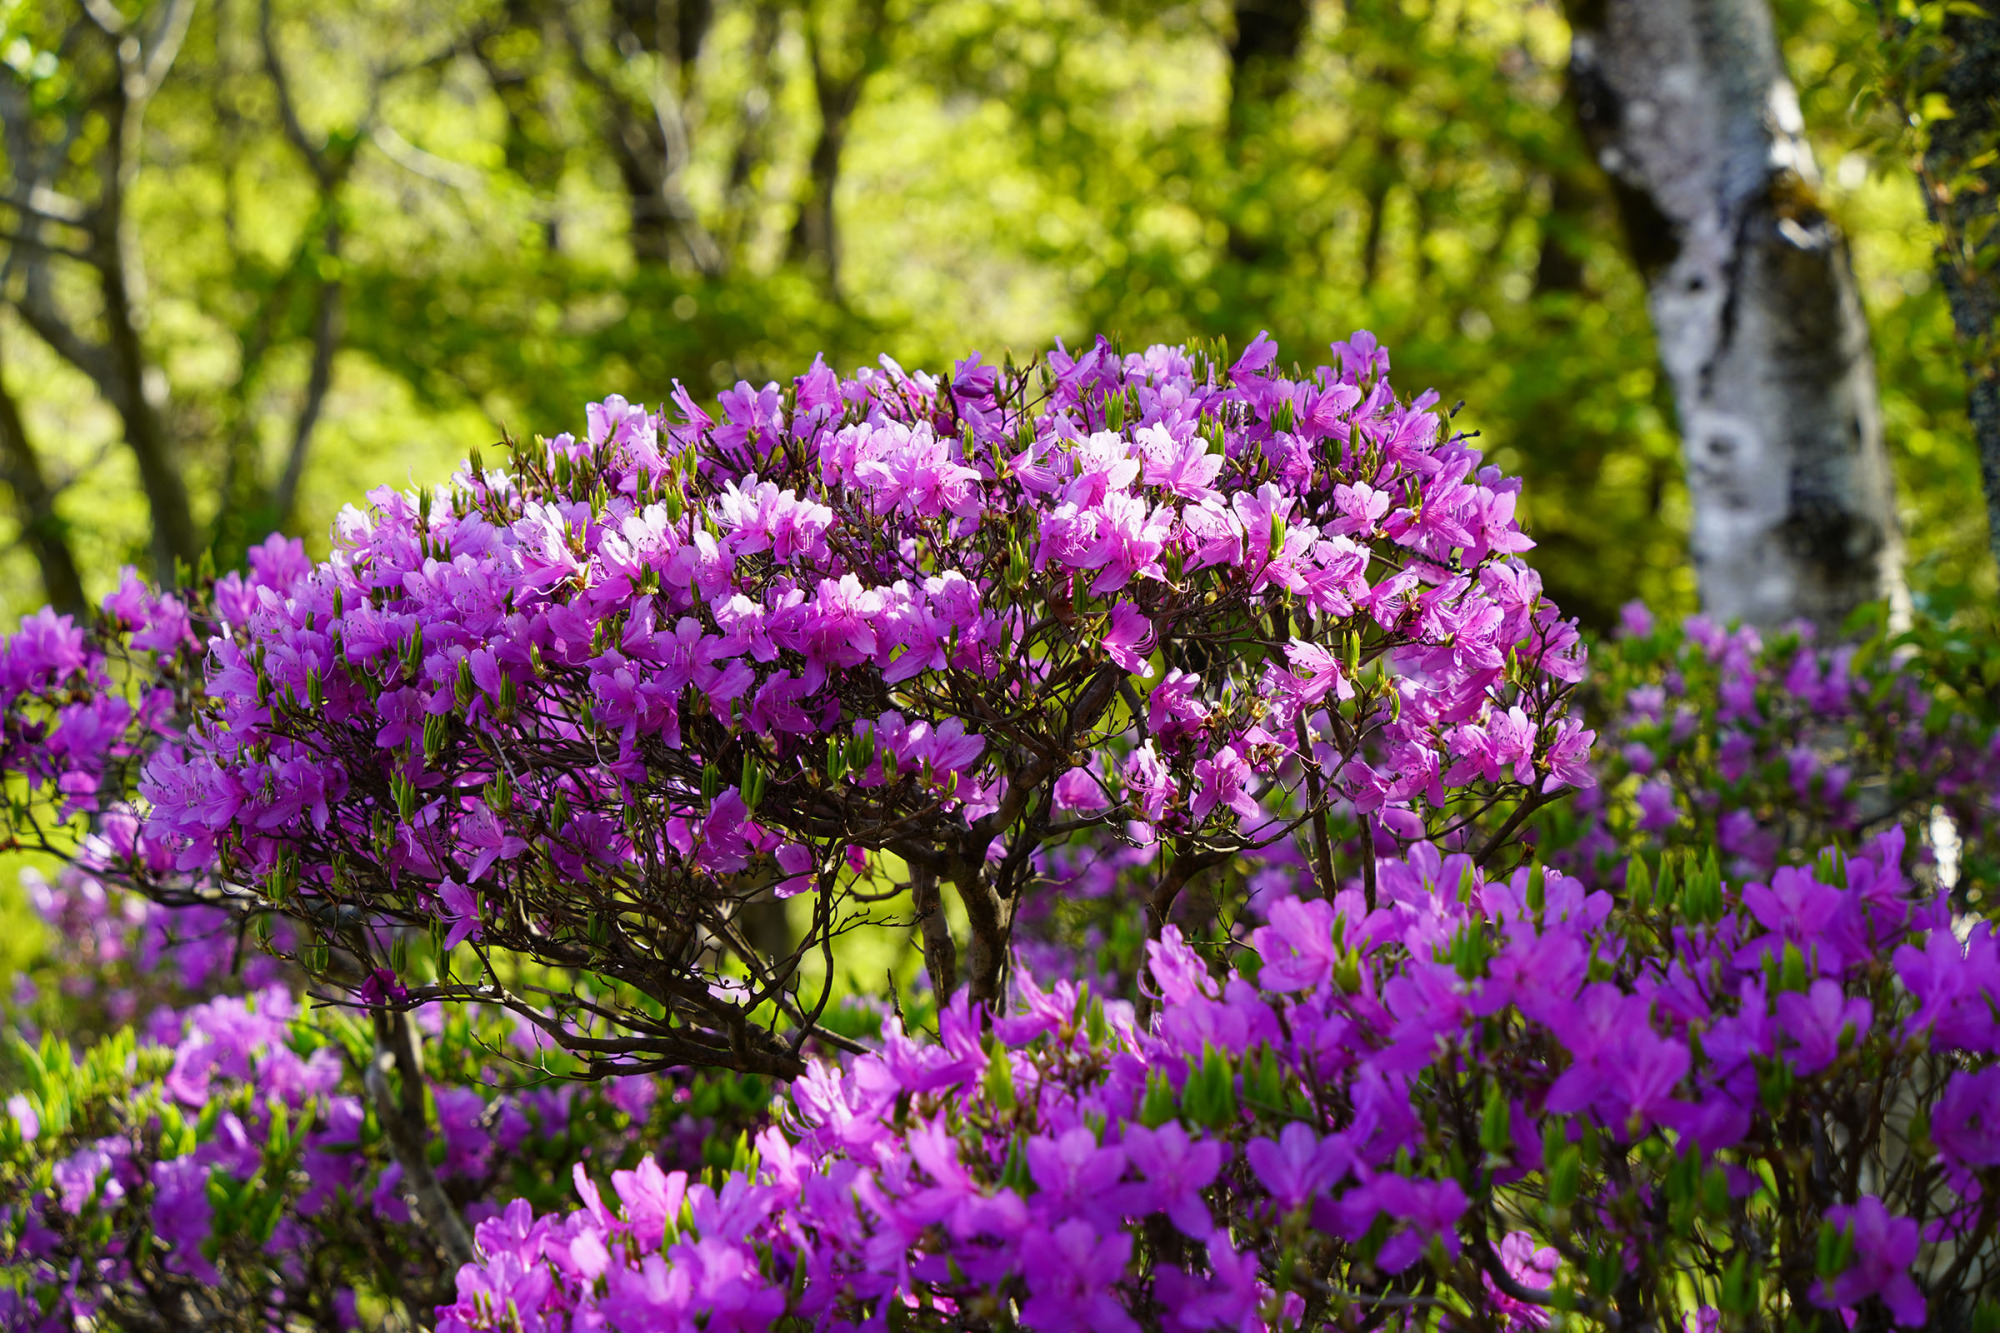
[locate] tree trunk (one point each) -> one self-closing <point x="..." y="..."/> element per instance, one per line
<point x="42" y="528"/>
<point x="815" y="236"/>
<point x="1961" y="181"/>
<point x="839" y="75"/>
<point x="1559" y="263"/>
<point x="1263" y="55"/>
<point x="1263" y="51"/>
<point x="119" y="365"/>
<point x="135" y="396"/>
<point x="1753" y="299"/>
<point x="649" y="135"/>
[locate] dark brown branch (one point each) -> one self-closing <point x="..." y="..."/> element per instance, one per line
<point x="405" y="1126"/>
<point x="940" y="953"/>
<point x="1528" y="806"/>
<point x="770" y="986"/>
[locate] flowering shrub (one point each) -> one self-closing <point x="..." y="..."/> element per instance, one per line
<point x="1224" y="688"/>
<point x="1474" y="1105"/>
<point x="239" y="1166"/>
<point x="115" y="957"/>
<point x="1765" y="750"/>
<point x="584" y="710"/>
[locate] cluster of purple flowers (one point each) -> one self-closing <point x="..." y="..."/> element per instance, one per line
<point x="1233" y="676"/>
<point x="1764" y="749"/>
<point x="226" y="1168"/>
<point x="586" y="707"/>
<point x="1493" y="1098"/>
<point x="114" y="958"/>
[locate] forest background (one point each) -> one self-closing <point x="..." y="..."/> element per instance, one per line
<point x="353" y="240"/>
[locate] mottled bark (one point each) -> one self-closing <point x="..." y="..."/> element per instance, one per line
<point x="989" y="935"/>
<point x="1761" y="332"/>
<point x="940" y="952"/>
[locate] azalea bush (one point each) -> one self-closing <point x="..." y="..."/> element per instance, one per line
<point x="587" y="707"/>
<point x="1766" y="748"/>
<point x="1285" y="956"/>
<point x="236" y="1175"/>
<point x="1479" y="1103"/>
<point x="245" y="1162"/>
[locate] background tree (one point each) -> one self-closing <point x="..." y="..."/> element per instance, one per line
<point x="1941" y="79"/>
<point x="74" y="155"/>
<point x="1004" y="172"/>
<point x="1752" y="294"/>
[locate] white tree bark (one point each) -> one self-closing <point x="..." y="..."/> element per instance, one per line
<point x="1761" y="332"/>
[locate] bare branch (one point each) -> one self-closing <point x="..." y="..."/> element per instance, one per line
<point x="166" y="47"/>
<point x="28" y="241"/>
<point x="47" y="205"/>
<point x="38" y="310"/>
<point x="418" y="162"/>
<point x="326" y="341"/>
<point x="288" y="111"/>
<point x="105" y="16"/>
<point x="753" y="960"/>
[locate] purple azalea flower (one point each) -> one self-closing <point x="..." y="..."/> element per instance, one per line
<point x="1965" y="1124"/>
<point x="1884" y="1248"/>
<point x="1178" y="1169"/>
<point x="1073" y="1286"/>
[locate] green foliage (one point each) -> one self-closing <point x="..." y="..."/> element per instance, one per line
<point x="1010" y="172"/>
<point x="302" y="1186"/>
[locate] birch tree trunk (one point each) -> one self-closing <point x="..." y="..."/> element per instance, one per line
<point x="1688" y="110"/>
